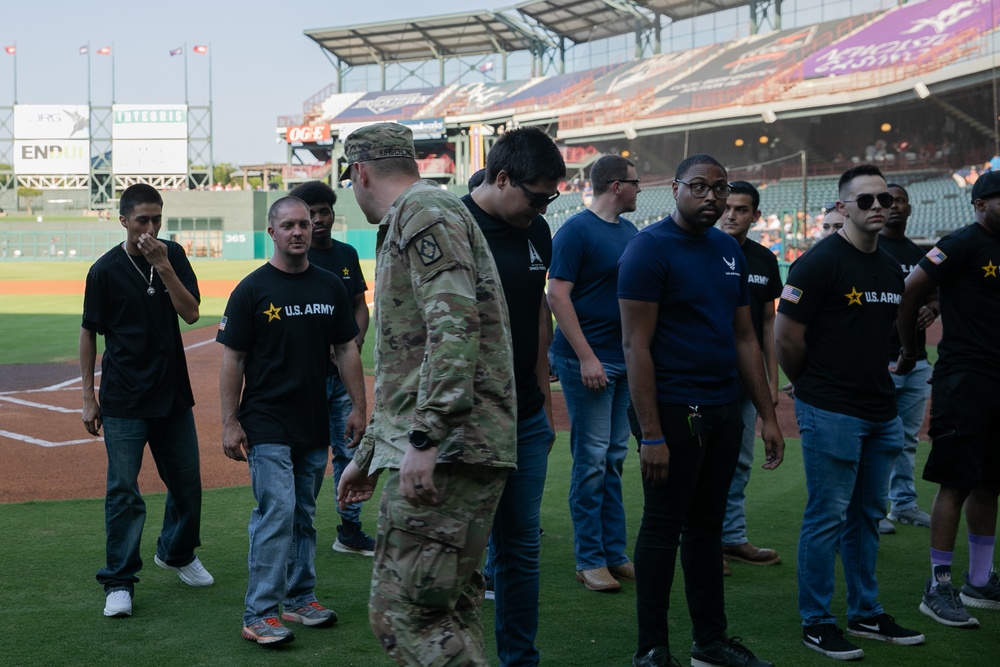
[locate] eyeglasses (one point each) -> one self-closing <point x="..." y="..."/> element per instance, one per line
<point x="866" y="201"/>
<point x="700" y="190"/>
<point x="633" y="181"/>
<point x="537" y="199"/>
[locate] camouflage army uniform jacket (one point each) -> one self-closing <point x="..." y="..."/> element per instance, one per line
<point x="443" y="359"/>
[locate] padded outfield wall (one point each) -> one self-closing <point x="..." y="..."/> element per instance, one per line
<point x="209" y="224"/>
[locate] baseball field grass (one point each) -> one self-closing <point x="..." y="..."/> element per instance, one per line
<point x="50" y="551"/>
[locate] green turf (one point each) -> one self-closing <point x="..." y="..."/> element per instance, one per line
<point x="52" y="549"/>
<point x="46" y="328"/>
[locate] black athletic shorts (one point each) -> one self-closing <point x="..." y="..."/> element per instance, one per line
<point x="965" y="431"/>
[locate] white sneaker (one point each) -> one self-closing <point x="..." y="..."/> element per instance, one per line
<point x="192" y="574"/>
<point x="118" y="604"/>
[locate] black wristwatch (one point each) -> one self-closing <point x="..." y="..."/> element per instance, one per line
<point x="421" y="441"/>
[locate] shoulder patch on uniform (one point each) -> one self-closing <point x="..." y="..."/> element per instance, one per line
<point x="427" y="248"/>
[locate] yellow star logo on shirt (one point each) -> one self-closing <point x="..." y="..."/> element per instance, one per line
<point x="273" y="313"/>
<point x="347" y="271"/>
<point x="854" y="297"/>
<point x="990" y="269"/>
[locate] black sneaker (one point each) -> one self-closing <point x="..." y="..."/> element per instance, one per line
<point x="884" y="628"/>
<point x="657" y="657"/>
<point x="354" y="541"/>
<point x="829" y="640"/>
<point x="727" y="652"/>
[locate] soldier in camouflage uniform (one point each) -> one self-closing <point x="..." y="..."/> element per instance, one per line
<point x="444" y="419"/>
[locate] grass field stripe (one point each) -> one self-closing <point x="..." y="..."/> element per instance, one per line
<point x="43" y="406"/>
<point x="45" y="443"/>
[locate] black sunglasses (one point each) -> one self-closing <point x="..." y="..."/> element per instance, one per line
<point x="633" y="181"/>
<point x="537" y="199"/>
<point x="865" y="202"/>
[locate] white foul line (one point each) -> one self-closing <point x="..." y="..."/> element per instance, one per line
<point x="43" y="406"/>
<point x="45" y="443"/>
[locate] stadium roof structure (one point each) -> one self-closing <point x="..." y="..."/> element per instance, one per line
<point x="584" y="20"/>
<point x="446" y="36"/>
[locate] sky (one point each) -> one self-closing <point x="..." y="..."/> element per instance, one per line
<point x="263" y="65"/>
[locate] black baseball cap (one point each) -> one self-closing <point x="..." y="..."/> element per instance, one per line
<point x="986" y="186"/>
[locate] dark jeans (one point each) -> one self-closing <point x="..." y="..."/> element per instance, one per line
<point x="687" y="511"/>
<point x="174" y="445"/>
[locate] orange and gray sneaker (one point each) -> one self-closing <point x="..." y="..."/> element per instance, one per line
<point x="268" y="631"/>
<point x="312" y="614"/>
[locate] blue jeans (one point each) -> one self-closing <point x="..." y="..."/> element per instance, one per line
<point x="912" y="392"/>
<point x="285" y="482"/>
<point x="173" y="443"/>
<point x="514" y="545"/>
<point x="734" y="528"/>
<point x="847" y="462"/>
<point x="340" y="408"/>
<point x="598" y="440"/>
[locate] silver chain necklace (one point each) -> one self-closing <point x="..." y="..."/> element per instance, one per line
<point x="150" y="290"/>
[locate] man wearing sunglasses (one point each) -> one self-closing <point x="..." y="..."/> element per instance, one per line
<point x="523" y="170"/>
<point x="688" y="336"/>
<point x="835" y="313"/>
<point x="965" y="417"/>
<point x="588" y="358"/>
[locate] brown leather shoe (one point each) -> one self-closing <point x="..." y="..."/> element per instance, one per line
<point x="748" y="553"/>
<point x="624" y="571"/>
<point x="598" y="579"/>
<point x="726" y="572"/>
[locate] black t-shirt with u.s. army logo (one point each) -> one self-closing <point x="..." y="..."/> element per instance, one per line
<point x="966" y="266"/>
<point x="848" y="300"/>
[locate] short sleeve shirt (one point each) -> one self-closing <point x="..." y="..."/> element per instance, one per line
<point x="964" y="264"/>
<point x="848" y="300"/>
<point x="698" y="280"/>
<point x="286" y="323"/>
<point x="341" y="260"/>
<point x="143" y="370"/>
<point x="585" y="252"/>
<point x="522" y="258"/>
<point x="763" y="281"/>
<point x="908" y="254"/>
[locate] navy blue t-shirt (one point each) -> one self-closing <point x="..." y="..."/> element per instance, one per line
<point x="585" y="252"/>
<point x="699" y="280"/>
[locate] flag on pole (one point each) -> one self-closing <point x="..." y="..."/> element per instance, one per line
<point x="104" y="51"/>
<point x="176" y="52"/>
<point x="11" y="50"/>
<point x="84" y="50"/>
<point x="485" y="67"/>
<point x="202" y="49"/>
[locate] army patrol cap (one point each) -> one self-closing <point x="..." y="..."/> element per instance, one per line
<point x="377" y="142"/>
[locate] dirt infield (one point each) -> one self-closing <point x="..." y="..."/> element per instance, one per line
<point x="47" y="453"/>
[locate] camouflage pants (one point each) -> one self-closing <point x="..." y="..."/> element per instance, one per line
<point x="427" y="593"/>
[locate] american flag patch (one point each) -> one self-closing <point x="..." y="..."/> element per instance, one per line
<point x="936" y="256"/>
<point x="792" y="294"/>
<point x="222" y="324"/>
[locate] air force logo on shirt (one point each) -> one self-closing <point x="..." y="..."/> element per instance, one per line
<point x="536" y="260"/>
<point x="731" y="266"/>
